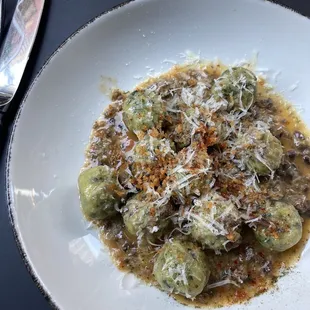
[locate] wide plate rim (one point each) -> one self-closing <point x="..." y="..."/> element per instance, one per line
<point x="8" y="188"/>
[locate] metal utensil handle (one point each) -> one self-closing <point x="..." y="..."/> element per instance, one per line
<point x="17" y="46"/>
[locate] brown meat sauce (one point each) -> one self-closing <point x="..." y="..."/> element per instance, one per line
<point x="252" y="268"/>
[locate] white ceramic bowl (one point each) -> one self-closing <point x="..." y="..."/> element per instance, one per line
<point x="54" y="122"/>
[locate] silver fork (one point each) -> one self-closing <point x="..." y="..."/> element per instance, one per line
<point x="17" y="46"/>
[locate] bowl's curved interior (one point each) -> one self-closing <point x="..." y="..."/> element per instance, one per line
<point x="52" y="130"/>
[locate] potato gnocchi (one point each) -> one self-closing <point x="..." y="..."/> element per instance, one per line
<point x="198" y="180"/>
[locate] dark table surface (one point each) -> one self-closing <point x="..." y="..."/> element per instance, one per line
<point x="60" y="19"/>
